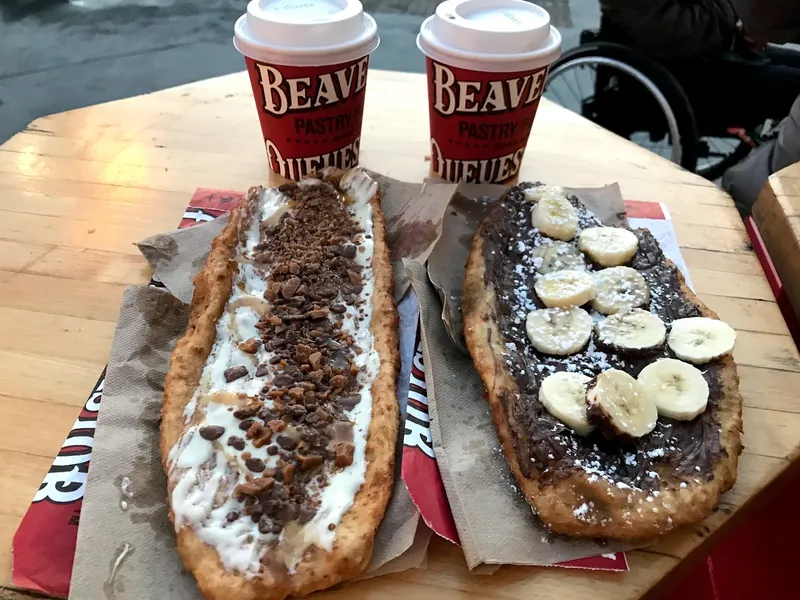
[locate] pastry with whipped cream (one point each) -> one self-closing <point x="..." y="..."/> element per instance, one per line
<point x="280" y="414"/>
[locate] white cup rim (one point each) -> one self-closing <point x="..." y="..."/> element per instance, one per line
<point x="450" y="50"/>
<point x="326" y="54"/>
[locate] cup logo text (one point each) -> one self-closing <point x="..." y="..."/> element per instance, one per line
<point x="490" y="170"/>
<point x="297" y="168"/>
<point x="284" y="95"/>
<point x="480" y="97"/>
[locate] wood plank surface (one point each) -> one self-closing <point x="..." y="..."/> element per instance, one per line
<point x="81" y="187"/>
<point x="777" y="216"/>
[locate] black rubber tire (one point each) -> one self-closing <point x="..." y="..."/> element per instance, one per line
<point x="661" y="78"/>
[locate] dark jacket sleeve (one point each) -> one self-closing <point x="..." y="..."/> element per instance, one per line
<point x="776" y="21"/>
<point x="675" y="28"/>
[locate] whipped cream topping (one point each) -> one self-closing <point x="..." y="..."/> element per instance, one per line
<point x="204" y="473"/>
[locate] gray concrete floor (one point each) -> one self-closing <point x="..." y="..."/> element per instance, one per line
<point x="57" y="56"/>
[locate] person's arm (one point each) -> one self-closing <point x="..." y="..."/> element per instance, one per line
<point x="776" y="21"/>
<point x="675" y="28"/>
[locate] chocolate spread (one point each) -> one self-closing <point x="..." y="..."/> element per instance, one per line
<point x="675" y="451"/>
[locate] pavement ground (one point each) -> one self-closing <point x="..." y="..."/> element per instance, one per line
<point x="57" y="55"/>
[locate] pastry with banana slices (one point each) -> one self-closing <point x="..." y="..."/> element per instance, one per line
<point x="620" y="416"/>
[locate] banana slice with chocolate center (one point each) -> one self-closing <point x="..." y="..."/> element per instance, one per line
<point x="620" y="406"/>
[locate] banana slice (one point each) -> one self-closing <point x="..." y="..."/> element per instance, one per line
<point x="618" y="288"/>
<point x="633" y="330"/>
<point x="563" y="394"/>
<point x="608" y="246"/>
<point x="555" y="217"/>
<point x="620" y="406"/>
<point x="700" y="339"/>
<point x="558" y="256"/>
<point x="565" y="288"/>
<point x="559" y="331"/>
<point x="534" y="194"/>
<point x="679" y="390"/>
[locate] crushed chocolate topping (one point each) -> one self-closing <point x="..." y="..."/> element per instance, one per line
<point x="675" y="451"/>
<point x="344" y="454"/>
<point x="236" y="443"/>
<point x="234" y="373"/>
<point x="348" y="402"/>
<point x="255" y="464"/>
<point x="211" y="432"/>
<point x="262" y="370"/>
<point x="311" y="380"/>
<point x="249" y="346"/>
<point x="285" y="442"/>
<point x="247" y="411"/>
<point x="252" y="488"/>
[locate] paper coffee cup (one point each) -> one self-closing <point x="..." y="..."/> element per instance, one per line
<point x="487" y="62"/>
<point x="307" y="61"/>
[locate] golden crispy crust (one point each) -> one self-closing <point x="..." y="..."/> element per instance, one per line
<point x="556" y="502"/>
<point x="355" y="533"/>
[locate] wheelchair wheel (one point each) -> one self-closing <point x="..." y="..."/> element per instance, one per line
<point x="629" y="94"/>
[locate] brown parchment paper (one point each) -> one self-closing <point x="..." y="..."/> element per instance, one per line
<point x="495" y="523"/>
<point x="177" y="256"/>
<point x="126" y="543"/>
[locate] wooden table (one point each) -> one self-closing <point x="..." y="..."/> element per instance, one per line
<point x="777" y="215"/>
<point x="79" y="188"/>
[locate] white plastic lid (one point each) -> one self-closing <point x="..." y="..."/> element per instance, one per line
<point x="490" y="35"/>
<point x="305" y="32"/>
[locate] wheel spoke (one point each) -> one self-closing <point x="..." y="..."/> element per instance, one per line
<point x="574" y="94"/>
<point x="558" y="97"/>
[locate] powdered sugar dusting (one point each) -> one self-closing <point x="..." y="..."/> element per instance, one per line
<point x="553" y="446"/>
